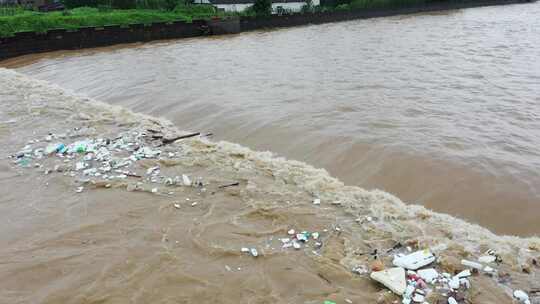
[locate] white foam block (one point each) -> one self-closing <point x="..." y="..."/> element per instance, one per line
<point x="393" y="279"/>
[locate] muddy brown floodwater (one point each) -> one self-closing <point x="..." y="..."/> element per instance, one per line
<point x="112" y="219"/>
<point x="441" y="110"/>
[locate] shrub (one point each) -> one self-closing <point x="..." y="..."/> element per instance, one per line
<point x="196" y="10"/>
<point x="262" y="7"/>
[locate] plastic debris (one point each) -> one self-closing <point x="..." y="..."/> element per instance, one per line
<point x="418" y="298"/>
<point x="521" y="296"/>
<point x="393" y="279"/>
<point x="465" y="282"/>
<point x="302" y="237"/>
<point x="428" y="275"/>
<point x="487" y="259"/>
<point x="472" y="264"/>
<point x="329" y="302"/>
<point x="185" y="180"/>
<point x="489" y="270"/>
<point x="151" y="170"/>
<point x="54" y="148"/>
<point x="414" y="260"/>
<point x="454" y="283"/>
<point x="409" y="291"/>
<point x="360" y="269"/>
<point x="464" y="274"/>
<point x="117" y="158"/>
<point x="80" y="165"/>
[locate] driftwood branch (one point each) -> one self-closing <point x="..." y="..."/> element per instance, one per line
<point x="132" y="175"/>
<point x="166" y="141"/>
<point x="229" y="185"/>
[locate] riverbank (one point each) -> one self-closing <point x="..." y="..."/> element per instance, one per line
<point x="84" y="17"/>
<point x="138" y="237"/>
<point x="75" y="37"/>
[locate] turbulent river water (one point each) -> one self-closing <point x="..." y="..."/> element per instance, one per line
<point x="440" y="109"/>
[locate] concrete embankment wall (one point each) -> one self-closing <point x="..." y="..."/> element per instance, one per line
<point x="252" y="23"/>
<point x="29" y="42"/>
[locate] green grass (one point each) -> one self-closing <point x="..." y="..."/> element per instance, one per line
<point x="23" y="20"/>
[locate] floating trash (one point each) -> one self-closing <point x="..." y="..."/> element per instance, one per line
<point x="414" y="260"/>
<point x="393" y="279"/>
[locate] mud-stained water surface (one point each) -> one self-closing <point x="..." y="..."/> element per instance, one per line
<point x="438" y="109"/>
<point x="100" y="205"/>
<point x="112" y="214"/>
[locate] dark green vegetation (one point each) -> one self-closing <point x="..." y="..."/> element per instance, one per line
<point x="14" y="20"/>
<point x="262" y="7"/>
<point x="86" y="13"/>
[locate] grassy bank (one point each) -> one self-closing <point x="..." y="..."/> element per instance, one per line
<point x="18" y="20"/>
<point x="13" y="20"/>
